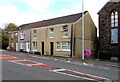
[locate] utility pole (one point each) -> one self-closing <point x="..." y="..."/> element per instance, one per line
<point x="82" y="30"/>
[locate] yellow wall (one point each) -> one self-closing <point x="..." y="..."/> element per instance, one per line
<point x="43" y="35"/>
<point x="89" y="35"/>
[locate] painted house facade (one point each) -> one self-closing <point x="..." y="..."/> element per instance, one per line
<point x="109" y="29"/>
<point x="24" y="38"/>
<point x="62" y="36"/>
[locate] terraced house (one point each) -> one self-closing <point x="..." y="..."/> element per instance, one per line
<point x="13" y="39"/>
<point x="109" y="29"/>
<point x="62" y="36"/>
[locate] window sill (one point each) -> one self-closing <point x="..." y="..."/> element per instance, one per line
<point x="64" y="50"/>
<point x="51" y="37"/>
<point x="65" y="37"/>
<point x="34" y="50"/>
<point x="34" y="38"/>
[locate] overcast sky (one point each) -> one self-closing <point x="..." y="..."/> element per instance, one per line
<point x="27" y="11"/>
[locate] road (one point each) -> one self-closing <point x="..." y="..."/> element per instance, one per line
<point x="21" y="66"/>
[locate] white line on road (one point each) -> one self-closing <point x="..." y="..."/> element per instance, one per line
<point x="104" y="68"/>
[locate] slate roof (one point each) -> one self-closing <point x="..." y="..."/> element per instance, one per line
<point x="110" y="1"/>
<point x="60" y="20"/>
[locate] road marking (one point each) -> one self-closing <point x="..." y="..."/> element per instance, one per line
<point x="56" y="70"/>
<point x="104" y="68"/>
<point x="78" y="74"/>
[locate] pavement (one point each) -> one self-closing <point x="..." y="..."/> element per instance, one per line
<point x="78" y="60"/>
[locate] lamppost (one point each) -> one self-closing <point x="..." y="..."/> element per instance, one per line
<point x="83" y="30"/>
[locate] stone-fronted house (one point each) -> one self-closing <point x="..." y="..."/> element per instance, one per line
<point x="62" y="36"/>
<point x="109" y="30"/>
<point x="13" y="40"/>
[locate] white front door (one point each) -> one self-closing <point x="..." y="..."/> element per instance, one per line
<point x="28" y="46"/>
<point x="16" y="46"/>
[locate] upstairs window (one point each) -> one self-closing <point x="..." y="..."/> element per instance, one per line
<point x="35" y="34"/>
<point x="22" y="35"/>
<point x="65" y="31"/>
<point x="51" y="33"/>
<point x="114" y="27"/>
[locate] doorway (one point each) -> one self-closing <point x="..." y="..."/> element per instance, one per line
<point x="51" y="48"/>
<point x="42" y="48"/>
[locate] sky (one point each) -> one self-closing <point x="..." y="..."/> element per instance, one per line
<point x="26" y="11"/>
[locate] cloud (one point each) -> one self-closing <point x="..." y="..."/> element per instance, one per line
<point x="38" y="5"/>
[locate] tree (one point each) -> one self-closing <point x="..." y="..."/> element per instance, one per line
<point x="5" y="40"/>
<point x="5" y="36"/>
<point x="10" y="26"/>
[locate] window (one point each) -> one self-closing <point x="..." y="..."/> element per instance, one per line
<point x="12" y="35"/>
<point x="114" y="27"/>
<point x="57" y="45"/>
<point x="35" y="33"/>
<point x="16" y="34"/>
<point x="65" y="32"/>
<point x="12" y="44"/>
<point x="114" y="19"/>
<point x="22" y="35"/>
<point x="21" y="46"/>
<point x="51" y="33"/>
<point x="66" y="46"/>
<point x="114" y="36"/>
<point x="35" y="46"/>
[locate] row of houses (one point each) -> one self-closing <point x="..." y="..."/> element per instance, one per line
<point x="62" y="36"/>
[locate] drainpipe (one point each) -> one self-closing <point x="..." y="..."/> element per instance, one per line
<point x="73" y="40"/>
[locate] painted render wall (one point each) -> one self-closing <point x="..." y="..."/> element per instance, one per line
<point x="26" y="38"/>
<point x="90" y="35"/>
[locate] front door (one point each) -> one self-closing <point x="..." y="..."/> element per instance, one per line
<point x="27" y="46"/>
<point x="51" y="48"/>
<point x="42" y="48"/>
<point x="16" y="46"/>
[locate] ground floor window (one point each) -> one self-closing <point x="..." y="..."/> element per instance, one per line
<point x="12" y="44"/>
<point x="21" y="46"/>
<point x="34" y="45"/>
<point x="66" y="46"/>
<point x="57" y="45"/>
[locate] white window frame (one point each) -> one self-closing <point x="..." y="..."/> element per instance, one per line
<point x="16" y="34"/>
<point x="51" y="33"/>
<point x="12" y="44"/>
<point x="67" y="45"/>
<point x="22" y="35"/>
<point x="12" y="36"/>
<point x="65" y="34"/>
<point x="58" y="45"/>
<point x="35" y="34"/>
<point x="34" y="46"/>
<point x="21" y="46"/>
